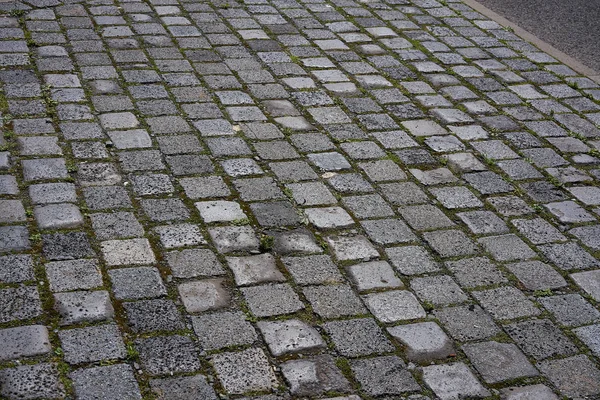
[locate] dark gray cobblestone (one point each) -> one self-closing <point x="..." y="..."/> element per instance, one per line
<point x="281" y="199"/>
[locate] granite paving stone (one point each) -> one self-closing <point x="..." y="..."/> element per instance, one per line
<point x="314" y="376"/>
<point x="93" y="343"/>
<point x="31" y="382"/>
<point x="291" y="200"/>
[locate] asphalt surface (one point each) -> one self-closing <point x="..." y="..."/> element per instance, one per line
<point x="572" y="26"/>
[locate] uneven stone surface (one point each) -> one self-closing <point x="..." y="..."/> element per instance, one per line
<point x="293" y="199"/>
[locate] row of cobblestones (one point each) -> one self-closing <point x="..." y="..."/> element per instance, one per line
<point x="293" y="199"/>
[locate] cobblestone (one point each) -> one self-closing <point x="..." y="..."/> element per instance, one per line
<point x="282" y="199"/>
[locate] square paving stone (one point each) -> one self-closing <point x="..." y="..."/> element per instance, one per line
<point x="352" y="248"/>
<point x="123" y="120"/>
<point x="275" y="214"/>
<point x="73" y="274"/>
<point x="24" y="341"/>
<point x="31" y="382"/>
<point x="358" y="337"/>
<point x="229" y="239"/>
<point x="66" y="246"/>
<point x="311" y="194"/>
<point x="19" y="303"/>
<point x="257" y="189"/>
<point x="384" y="376"/>
<point x="241" y="167"/>
<point x="588" y="195"/>
<point x="274" y="299"/>
<point x="220" y="211"/>
<point x="295" y="241"/>
<point x="383" y="170"/>
<point x="329" y="217"/>
<point x="94" y="343"/>
<point x="569" y="212"/>
<point x="183" y="388"/>
<point x="467" y="323"/>
<point x="137" y="283"/>
<point x="540" y="339"/>
<point x="590" y="335"/>
<point x="127" y="252"/>
<point x="483" y="222"/>
<point x="14" y="238"/>
<point x="589" y="281"/>
<point x="329" y="161"/>
<point x="368" y="206"/>
<point x="168" y="354"/>
<point x="374" y="275"/>
<point x="208" y="294"/>
<point x="404" y="193"/>
<point x="532" y="391"/>
<point x="58" y="216"/>
<point x="536" y="275"/>
<point x="488" y="182"/>
<point x="506" y="303"/>
<point x="83" y="306"/>
<point x="179" y="235"/>
<point x="165" y="209"/>
<point x="507" y="248"/>
<point x="333" y="301"/>
<point x="12" y="211"/>
<point x="424" y="341"/>
<point x="438" y="176"/>
<point x="311" y="270"/>
<point x="456" y="197"/>
<point x="44" y="168"/>
<point x="574" y="377"/>
<point x="497" y="362"/>
<point x="588" y="235"/>
<point x="290" y="336"/>
<point x="8" y="185"/>
<point x="538" y="231"/>
<point x="131" y="139"/>
<point x="151" y="184"/>
<point x="16" y="268"/>
<point x="251" y="270"/>
<point x="411" y="260"/>
<point x="510" y="206"/>
<point x="394" y="306"/>
<point x="425" y="217"/>
<point x="190" y="263"/>
<point x="244" y="371"/>
<point x="453" y="381"/>
<point x="451" y="243"/>
<point x="223" y="329"/>
<point x="204" y="187"/>
<point x="474" y="272"/>
<point x="153" y="315"/>
<point x="118" y="225"/>
<point x="324" y="376"/>
<point x="106" y="197"/>
<point x="439" y="290"/>
<point x="571" y="309"/>
<point x="569" y="256"/>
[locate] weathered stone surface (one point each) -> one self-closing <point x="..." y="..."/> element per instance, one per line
<point x="24" y="341"/>
<point x="314" y="376"/>
<point x="497" y="362"/>
<point x="424" y="341"/>
<point x="31" y="382"/>
<point x="453" y="381"/>
<point x="204" y="295"/>
<point x="290" y="336"/>
<point x="245" y="371"/>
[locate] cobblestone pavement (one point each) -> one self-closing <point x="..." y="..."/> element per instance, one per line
<point x="293" y="199"/>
